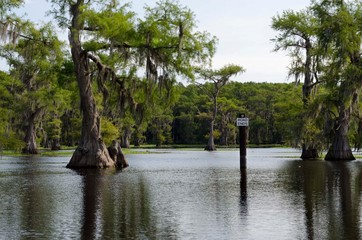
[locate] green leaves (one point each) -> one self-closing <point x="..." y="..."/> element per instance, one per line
<point x="295" y="28"/>
<point x="6" y="5"/>
<point x="8" y="137"/>
<point x="340" y="29"/>
<point x="35" y="61"/>
<point x="172" y="43"/>
<point x="109" y="24"/>
<point x="324" y="42"/>
<point x="109" y="131"/>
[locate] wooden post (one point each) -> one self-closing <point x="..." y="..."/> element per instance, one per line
<point x="243" y="124"/>
<point x="243" y="189"/>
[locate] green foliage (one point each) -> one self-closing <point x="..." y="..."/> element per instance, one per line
<point x="294" y="28"/>
<point x="273" y="109"/>
<point x="323" y="41"/>
<point x="54" y="128"/>
<point x="9" y="139"/>
<point x="7" y="4"/>
<point x="164" y="43"/>
<point x="110" y="23"/>
<point x="174" y="45"/>
<point x="109" y="131"/>
<point x="72" y="123"/>
<point x="160" y="127"/>
<point x="216" y="80"/>
<point x="34" y="62"/>
<point x="296" y="35"/>
<point x="10" y="142"/>
<point x="339" y="35"/>
<point x="216" y="134"/>
<point x="288" y="116"/>
<point x="7" y="18"/>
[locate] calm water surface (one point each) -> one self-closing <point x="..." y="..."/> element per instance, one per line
<point x="173" y="194"/>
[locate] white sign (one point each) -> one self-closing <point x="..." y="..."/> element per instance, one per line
<point x="242" y="122"/>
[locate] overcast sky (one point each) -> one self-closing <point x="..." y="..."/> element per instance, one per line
<point x="242" y="27"/>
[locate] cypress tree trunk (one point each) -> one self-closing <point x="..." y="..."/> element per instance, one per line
<point x="116" y="153"/>
<point x="30" y="136"/>
<point x="136" y="139"/>
<point x="211" y="144"/>
<point x="340" y="149"/>
<point x="224" y="137"/>
<point x="91" y="151"/>
<point x="125" y="138"/>
<point x="310" y="151"/>
<point x="30" y="142"/>
<point x="224" y="131"/>
<point x="55" y="144"/>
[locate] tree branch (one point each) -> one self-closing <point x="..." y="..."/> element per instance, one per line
<point x="15" y="34"/>
<point x="102" y="67"/>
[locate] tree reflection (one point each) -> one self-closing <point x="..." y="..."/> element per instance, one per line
<point x="243" y="192"/>
<point x="36" y="204"/>
<point x="344" y="182"/>
<point x="112" y="209"/>
<point x="91" y="201"/>
<point x="331" y="194"/>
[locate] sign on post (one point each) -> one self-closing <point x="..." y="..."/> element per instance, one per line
<point x="242" y="122"/>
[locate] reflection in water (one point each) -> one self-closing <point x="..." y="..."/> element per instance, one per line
<point x="182" y="195"/>
<point x="243" y="192"/>
<point x="331" y="193"/>
<point x="34" y="200"/>
<point x="243" y="202"/>
<point x="92" y="183"/>
<point x="112" y="210"/>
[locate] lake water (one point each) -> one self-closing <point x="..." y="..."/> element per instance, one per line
<point x="169" y="194"/>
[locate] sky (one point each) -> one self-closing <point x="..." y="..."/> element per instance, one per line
<point x="243" y="28"/>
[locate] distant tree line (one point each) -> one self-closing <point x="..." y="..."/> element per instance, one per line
<point x="273" y="110"/>
<point x="179" y="115"/>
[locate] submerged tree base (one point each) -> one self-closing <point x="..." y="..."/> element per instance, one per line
<point x="93" y="154"/>
<point x="343" y="154"/>
<point x="210" y="148"/>
<point x="340" y="149"/>
<point x="27" y="150"/>
<point x="115" y="152"/>
<point x="309" y="153"/>
<point x="98" y="157"/>
<point x="340" y="156"/>
<point x="82" y="158"/>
